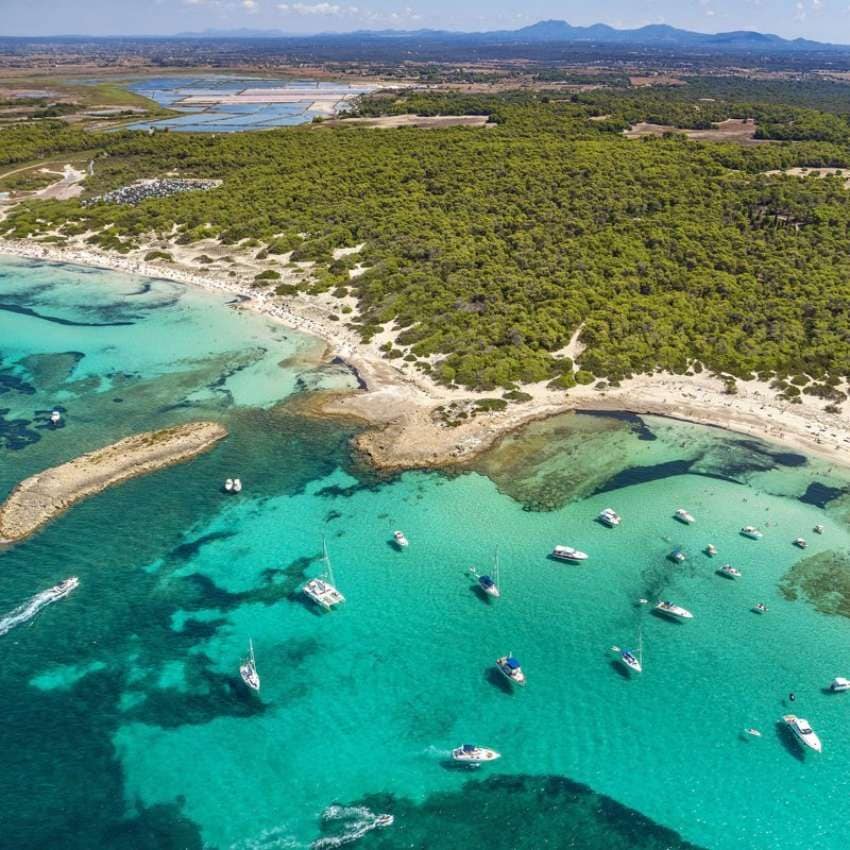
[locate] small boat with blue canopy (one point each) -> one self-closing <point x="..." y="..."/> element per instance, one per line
<point x="490" y="584"/>
<point x="511" y="669"/>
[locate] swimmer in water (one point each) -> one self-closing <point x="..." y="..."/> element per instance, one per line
<point x="792" y="696"/>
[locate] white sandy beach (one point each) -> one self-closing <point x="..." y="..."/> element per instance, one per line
<point x="403" y="401"/>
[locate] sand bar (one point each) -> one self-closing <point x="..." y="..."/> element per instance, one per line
<point x="40" y="498"/>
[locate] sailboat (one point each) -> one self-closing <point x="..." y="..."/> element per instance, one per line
<point x="321" y="590"/>
<point x="248" y="669"/>
<point x="629" y="659"/>
<point x="490" y="584"/>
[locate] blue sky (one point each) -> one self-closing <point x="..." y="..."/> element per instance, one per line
<point x="826" y="20"/>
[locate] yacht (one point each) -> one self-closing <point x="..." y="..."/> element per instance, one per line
<point x="609" y="517"/>
<point x="237" y="485"/>
<point x="711" y="550"/>
<point x="632" y="661"/>
<point x="490" y="584"/>
<point x="400" y="540"/>
<point x="471" y="754"/>
<point x="729" y="571"/>
<point x="818" y="529"/>
<point x="800" y="543"/>
<point x="751" y="532"/>
<point x="759" y="608"/>
<point x="55" y="417"/>
<point x="675" y="611"/>
<point x="839" y="684"/>
<point x="321" y="590"/>
<point x="803" y="732"/>
<point x="567" y="553"/>
<point x="678" y="556"/>
<point x="61" y="590"/>
<point x="683" y="516"/>
<point x="511" y="669"/>
<point x="248" y="669"/>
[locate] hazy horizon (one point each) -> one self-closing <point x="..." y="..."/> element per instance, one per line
<point x="822" y="20"/>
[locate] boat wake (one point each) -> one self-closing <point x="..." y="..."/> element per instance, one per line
<point x="355" y="821"/>
<point x="25" y="612"/>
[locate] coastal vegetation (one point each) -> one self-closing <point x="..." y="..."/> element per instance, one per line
<point x="487" y="249"/>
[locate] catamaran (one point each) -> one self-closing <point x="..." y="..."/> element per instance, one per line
<point x="675" y="611"/>
<point x="752" y="532"/>
<point x="683" y="516"/>
<point x="803" y="732"/>
<point x="609" y="517"/>
<point x="321" y="590"/>
<point x="510" y="669"/>
<point x="567" y="553"/>
<point x="711" y="550"/>
<point x="490" y="584"/>
<point x="818" y="529"/>
<point x="400" y="540"/>
<point x="474" y="755"/>
<point x="800" y="542"/>
<point x="248" y="669"/>
<point x="728" y="571"/>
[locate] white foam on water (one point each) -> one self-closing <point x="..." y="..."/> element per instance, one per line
<point x="25" y="612"/>
<point x="360" y="820"/>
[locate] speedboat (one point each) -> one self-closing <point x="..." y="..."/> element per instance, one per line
<point x="753" y="732"/>
<point x="678" y="556"/>
<point x="818" y="529"/>
<point x="55" y="417"/>
<point x="510" y="669"/>
<point x="237" y="485"/>
<point x="683" y="516"/>
<point x="567" y="553"/>
<point x="803" y="732"/>
<point x="228" y="485"/>
<point x="759" y="608"/>
<point x="384" y="820"/>
<point x="631" y="661"/>
<point x="61" y="590"/>
<point x="675" y="611"/>
<point x="248" y="669"/>
<point x="800" y="543"/>
<point x="400" y="540"/>
<point x="839" y="684"/>
<point x="321" y="590"/>
<point x="609" y="517"/>
<point x="752" y="532"/>
<point x="729" y="571"/>
<point x="711" y="550"/>
<point x="471" y="754"/>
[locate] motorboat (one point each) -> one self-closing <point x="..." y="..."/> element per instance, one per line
<point x="800" y="542"/>
<point x="818" y="529"/>
<point x="384" y="820"/>
<point x="609" y="517"/>
<point x="839" y="684"/>
<point x="400" y="540"/>
<point x="678" y="556"/>
<point x="237" y="485"/>
<point x="567" y="553"/>
<point x="55" y="417"/>
<point x="675" y="611"/>
<point x="248" y="669"/>
<point x="61" y="590"/>
<point x="711" y="550"/>
<point x="510" y="669"/>
<point x="759" y="608"/>
<point x="474" y="755"/>
<point x="752" y="532"/>
<point x="729" y="571"/>
<point x="321" y="590"/>
<point x="683" y="516"/>
<point x="803" y="732"/>
<point x="753" y="733"/>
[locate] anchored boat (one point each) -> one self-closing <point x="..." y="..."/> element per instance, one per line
<point x="248" y="669"/>
<point x="567" y="553"/>
<point x="728" y="571"/>
<point x="683" y="516"/>
<point x="474" y="755"/>
<point x="752" y="532"/>
<point x="511" y="669"/>
<point x="674" y="611"/>
<point x="609" y="517"/>
<point x="321" y="590"/>
<point x="803" y="732"/>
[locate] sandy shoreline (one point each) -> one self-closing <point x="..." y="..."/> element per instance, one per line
<point x="42" y="497"/>
<point x="406" y="408"/>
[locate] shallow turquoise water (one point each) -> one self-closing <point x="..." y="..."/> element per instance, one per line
<point x="122" y="704"/>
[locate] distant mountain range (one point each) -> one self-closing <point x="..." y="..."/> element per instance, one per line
<point x="556" y="32"/>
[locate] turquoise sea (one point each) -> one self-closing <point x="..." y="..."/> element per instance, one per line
<point x="125" y="723"/>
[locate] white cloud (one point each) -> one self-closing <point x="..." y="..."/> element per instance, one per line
<point x="313" y="8"/>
